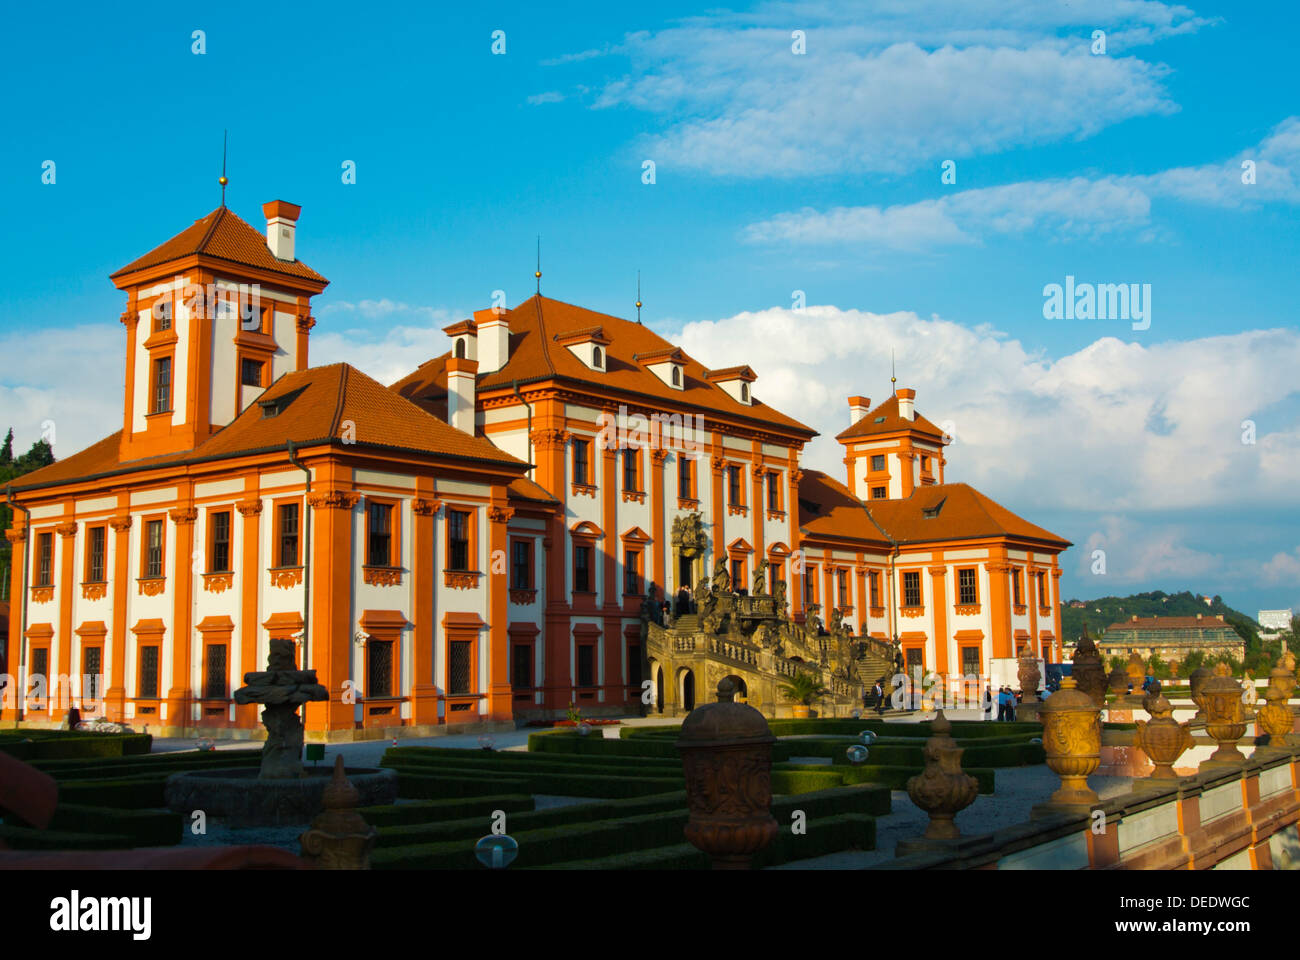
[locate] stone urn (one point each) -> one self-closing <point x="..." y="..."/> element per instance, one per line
<point x="339" y="839"/>
<point x="1087" y="670"/>
<point x="1029" y="675"/>
<point x="1136" y="669"/>
<point x="726" y="750"/>
<point x="1196" y="682"/>
<point x="1163" y="739"/>
<point x="1152" y="695"/>
<point x="1117" y="683"/>
<point x="1225" y="716"/>
<point x="1072" y="741"/>
<point x="941" y="789"/>
<point x="1282" y="677"/>
<point x="1275" y="719"/>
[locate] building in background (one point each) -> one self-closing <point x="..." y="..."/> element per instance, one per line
<point x="1172" y="638"/>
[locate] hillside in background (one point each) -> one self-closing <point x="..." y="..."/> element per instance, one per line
<point x="1102" y="612"/>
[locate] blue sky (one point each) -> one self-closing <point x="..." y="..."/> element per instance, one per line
<point x="774" y="172"/>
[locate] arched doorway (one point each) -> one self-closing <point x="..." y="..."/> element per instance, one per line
<point x="742" y="691"/>
<point x="659" y="688"/>
<point x="688" y="690"/>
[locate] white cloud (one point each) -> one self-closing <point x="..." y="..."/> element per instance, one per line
<point x="888" y="87"/>
<point x="550" y="96"/>
<point x="1079" y="207"/>
<point x="1124" y="425"/>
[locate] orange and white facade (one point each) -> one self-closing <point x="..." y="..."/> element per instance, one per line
<point x="475" y="543"/>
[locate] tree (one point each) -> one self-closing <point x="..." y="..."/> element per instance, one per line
<point x="7" y="451"/>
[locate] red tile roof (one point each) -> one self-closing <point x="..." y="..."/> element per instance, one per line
<point x="886" y="419"/>
<point x="223" y="236"/>
<point x="316" y="403"/>
<point x="960" y="512"/>
<point x="828" y="509"/>
<point x="534" y="356"/>
<point x="1172" y="623"/>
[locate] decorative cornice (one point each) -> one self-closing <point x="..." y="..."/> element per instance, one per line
<point x="218" y="582"/>
<point x="912" y="612"/>
<point x="426" y="508"/>
<point x="717" y="463"/>
<point x="42" y="594"/>
<point x="66" y="529"/>
<point x="249" y="508"/>
<point x="500" y="514"/>
<point x="937" y="571"/>
<point x="285" y="577"/>
<point x="634" y="495"/>
<point x="304" y="322"/>
<point x="16" y="534"/>
<point x="584" y="490"/>
<point x="549" y="438"/>
<point x="658" y="456"/>
<point x="182" y="515"/>
<point x="779" y="515"/>
<point x="461" y="579"/>
<point x="94" y="591"/>
<point x="795" y="477"/>
<point x="523" y="597"/>
<point x="382" y="576"/>
<point x="966" y="609"/>
<point x="121" y="523"/>
<point x="152" y="586"/>
<point x="737" y="510"/>
<point x="687" y="503"/>
<point x="334" y="500"/>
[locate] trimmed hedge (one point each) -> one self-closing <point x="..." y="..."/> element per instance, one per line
<point x="128" y="793"/>
<point x="52" y="746"/>
<point x="414" y="776"/>
<point x="438" y="811"/>
<point x="415" y="785"/>
<point x="848" y="727"/>
<point x="29" y="838"/>
<point x="144" y="828"/>
<point x="664" y="748"/>
<point x="893" y="778"/>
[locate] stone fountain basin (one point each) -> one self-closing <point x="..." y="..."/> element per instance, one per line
<point x="240" y="798"/>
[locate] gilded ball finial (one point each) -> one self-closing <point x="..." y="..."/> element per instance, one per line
<point x="222" y="180"/>
<point x="638" y="304"/>
<point x="538" y="274"/>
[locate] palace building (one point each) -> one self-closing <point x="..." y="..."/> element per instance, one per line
<point x="488" y="540"/>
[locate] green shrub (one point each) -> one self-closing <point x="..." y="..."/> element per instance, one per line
<point x="805" y="780"/>
<point x="536" y="781"/>
<point x="439" y="811"/>
<point x="144" y="828"/>
<point x="423" y="786"/>
<point x="891" y="778"/>
<point x="127" y="793"/>
<point x="29" y="838"/>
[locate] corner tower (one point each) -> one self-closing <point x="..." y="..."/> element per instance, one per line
<point x="891" y="450"/>
<point x="213" y="317"/>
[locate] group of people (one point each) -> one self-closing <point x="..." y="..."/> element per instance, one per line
<point x="1006" y="702"/>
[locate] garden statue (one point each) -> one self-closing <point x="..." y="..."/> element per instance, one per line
<point x="1162" y="738"/>
<point x="759" y="586"/>
<point x="721" y="578"/>
<point x="942" y="789"/>
<point x="283" y="689"/>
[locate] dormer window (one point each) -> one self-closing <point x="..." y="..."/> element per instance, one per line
<point x="589" y="345"/>
<point x="597" y="358"/>
<point x="460" y="348"/>
<point x="677" y="376"/>
<point x="736" y="381"/>
<point x="666" y="363"/>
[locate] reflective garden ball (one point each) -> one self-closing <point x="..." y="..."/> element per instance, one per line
<point x="868" y="737"/>
<point x="584" y="728"/>
<point x="857" y="754"/>
<point x="1037" y="740"/>
<point x="486" y="743"/>
<point x="496" y="851"/>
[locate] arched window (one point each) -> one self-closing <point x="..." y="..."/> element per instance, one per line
<point x="460" y="349"/>
<point x="677" y="376"/>
<point x="596" y="359"/>
<point x="744" y="392"/>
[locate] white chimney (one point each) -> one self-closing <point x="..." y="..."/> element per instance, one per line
<point x="493" y="339"/>
<point x="906" y="403"/>
<point x="460" y="393"/>
<point x="859" y="407"/>
<point x="281" y="224"/>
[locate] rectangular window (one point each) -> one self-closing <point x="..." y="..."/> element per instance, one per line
<point x="153" y="549"/>
<point x="287" y="524"/>
<point x="1017" y="588"/>
<point x="458" y="666"/>
<point x="521" y="565"/>
<point x="842" y="587"/>
<point x="970" y="661"/>
<point x="737" y="575"/>
<point x="457" y="540"/>
<point x="685" y="477"/>
<point x="379" y="664"/>
<point x="95" y="555"/>
<point x="581" y="471"/>
<point x="44" y="559"/>
<point x="630" y="458"/>
<point x="92" y="672"/>
<point x="586" y="665"/>
<point x="148" y="673"/>
<point x="873" y="580"/>
<point x="162" y="314"/>
<point x="774" y="492"/>
<point x="733" y="486"/>
<point x="379" y="539"/>
<point x="162" y="385"/>
<point x="214" y="672"/>
<point x="810" y="585"/>
<point x="582" y="569"/>
<point x="632" y="573"/>
<point x="250" y="372"/>
<point x="967" y="588"/>
<point x="41" y="666"/>
<point x="634" y="665"/>
<point x="912" y="588"/>
<point x="877" y="462"/>
<point x="521" y="675"/>
<point x="879" y="493"/>
<point x="219" y="558"/>
<point x="1043" y="600"/>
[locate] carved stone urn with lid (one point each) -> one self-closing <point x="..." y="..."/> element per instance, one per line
<point x="726" y="750"/>
<point x="1163" y="739"/>
<point x="1072" y="741"/>
<point x="1199" y="677"/>
<point x="942" y="790"/>
<point x="1087" y="670"/>
<point x="1282" y="677"/>
<point x="1225" y="717"/>
<point x="1275" y="719"/>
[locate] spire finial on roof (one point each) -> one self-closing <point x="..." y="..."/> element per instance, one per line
<point x="225" y="136"/>
<point x="893" y="379"/>
<point x="638" y="296"/>
<point x="538" y="274"/>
